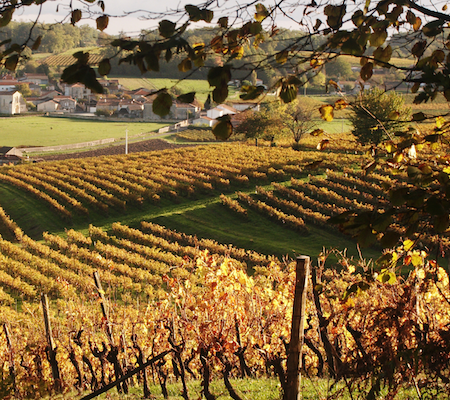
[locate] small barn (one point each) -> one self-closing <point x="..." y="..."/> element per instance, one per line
<point x="10" y="155"/>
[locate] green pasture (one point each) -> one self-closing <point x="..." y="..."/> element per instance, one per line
<point x="50" y="131"/>
<point x="200" y="87"/>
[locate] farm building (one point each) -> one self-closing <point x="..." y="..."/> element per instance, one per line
<point x="10" y="155"/>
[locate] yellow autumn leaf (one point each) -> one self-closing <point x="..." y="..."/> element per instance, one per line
<point x="408" y="244"/>
<point x="327" y="112"/>
<point x="440" y="121"/>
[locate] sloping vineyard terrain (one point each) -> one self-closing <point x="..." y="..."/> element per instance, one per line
<point x="125" y="296"/>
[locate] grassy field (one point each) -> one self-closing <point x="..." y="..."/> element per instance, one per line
<point x="49" y="131"/>
<point x="201" y="87"/>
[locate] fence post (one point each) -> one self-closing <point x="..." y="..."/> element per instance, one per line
<point x="51" y="348"/>
<point x="294" y="361"/>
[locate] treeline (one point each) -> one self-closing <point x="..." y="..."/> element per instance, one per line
<point x="56" y="38"/>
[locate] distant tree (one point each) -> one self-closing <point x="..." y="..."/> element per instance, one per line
<point x="24" y="89"/>
<point x="377" y="115"/>
<point x="339" y="68"/>
<point x="298" y="120"/>
<point x="317" y="80"/>
<point x="263" y="124"/>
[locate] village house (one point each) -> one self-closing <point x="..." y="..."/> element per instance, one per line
<point x="203" y="120"/>
<point x="76" y="91"/>
<point x="37" y="79"/>
<point x="8" y="85"/>
<point x="139" y="94"/>
<point x="112" y="85"/>
<point x="49" y="106"/>
<point x="110" y="105"/>
<point x="178" y="111"/>
<point x="131" y="109"/>
<point x="66" y="103"/>
<point x="12" y="102"/>
<point x="220" y="110"/>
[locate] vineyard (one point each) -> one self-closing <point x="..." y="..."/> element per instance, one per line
<point x="138" y="305"/>
<point x="65" y="60"/>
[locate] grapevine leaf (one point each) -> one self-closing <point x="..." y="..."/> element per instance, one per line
<point x="223" y="128"/>
<point x="194" y="12"/>
<point x="102" y="22"/>
<point x="261" y="12"/>
<point x="317" y="132"/>
<point x="6" y="17"/>
<point x="75" y="16"/>
<point x="433" y="28"/>
<point x="166" y="28"/>
<point x="419" y="116"/>
<point x="441" y="223"/>
<point x="36" y="43"/>
<point x="217" y="75"/>
<point x="104" y="67"/>
<point x="185" y="65"/>
<point x="251" y="92"/>
<point x="152" y="61"/>
<point x="162" y="104"/>
<point x="323" y="143"/>
<point x="288" y="93"/>
<point x="223" y="22"/>
<point x="366" y="71"/>
<point x="220" y="92"/>
<point x="390" y="239"/>
<point x="327" y="112"/>
<point x="11" y="62"/>
<point x="186" y="97"/>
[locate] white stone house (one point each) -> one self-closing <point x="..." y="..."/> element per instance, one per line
<point x="48" y="106"/>
<point x="77" y="91"/>
<point x="12" y="102"/>
<point x="220" y="110"/>
<point x="203" y="120"/>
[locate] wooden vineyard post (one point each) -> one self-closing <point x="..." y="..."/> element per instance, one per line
<point x="294" y="362"/>
<point x="12" y="367"/>
<point x="101" y="293"/>
<point x="114" y="350"/>
<point x="51" y="348"/>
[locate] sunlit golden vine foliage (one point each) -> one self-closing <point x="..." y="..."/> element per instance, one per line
<point x="116" y="182"/>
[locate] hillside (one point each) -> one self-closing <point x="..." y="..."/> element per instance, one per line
<point x="137" y="253"/>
